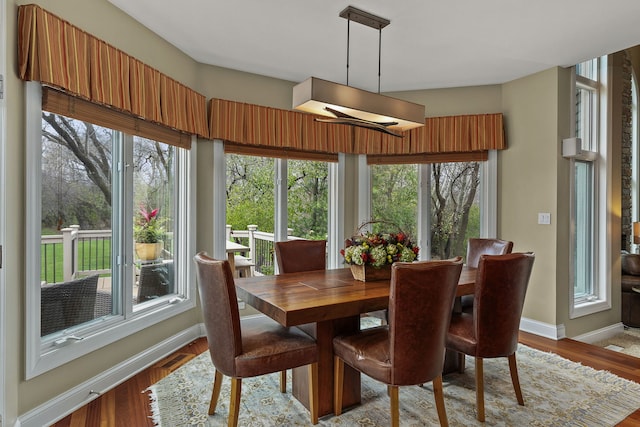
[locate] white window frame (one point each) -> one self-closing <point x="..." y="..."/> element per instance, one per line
<point x="42" y="355"/>
<point x="3" y="139"/>
<point x="600" y="297"/>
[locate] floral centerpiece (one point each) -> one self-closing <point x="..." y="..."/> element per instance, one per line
<point x="148" y="233"/>
<point x="378" y="251"/>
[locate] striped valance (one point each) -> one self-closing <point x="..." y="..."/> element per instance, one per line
<point x="267" y="127"/>
<point x="56" y="53"/>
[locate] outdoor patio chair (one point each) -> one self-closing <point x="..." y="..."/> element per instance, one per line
<point x="155" y="280"/>
<point x="67" y="304"/>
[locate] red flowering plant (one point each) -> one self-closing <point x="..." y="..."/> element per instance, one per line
<point x="378" y="249"/>
<point x="148" y="227"/>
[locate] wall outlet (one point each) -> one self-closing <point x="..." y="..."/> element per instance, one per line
<point x="544" y="218"/>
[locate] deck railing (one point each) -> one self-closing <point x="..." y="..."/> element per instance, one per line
<point x="64" y="256"/>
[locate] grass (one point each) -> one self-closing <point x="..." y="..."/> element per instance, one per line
<point x="93" y="254"/>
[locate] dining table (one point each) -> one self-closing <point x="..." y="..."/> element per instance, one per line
<point x="324" y="303"/>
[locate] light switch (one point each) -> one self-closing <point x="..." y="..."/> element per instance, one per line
<point x="544" y="218"/>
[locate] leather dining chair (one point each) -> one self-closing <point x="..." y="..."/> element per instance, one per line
<point x="248" y="347"/>
<point x="301" y="255"/>
<point x="492" y="329"/>
<point x="294" y="256"/>
<point x="410" y="349"/>
<point x="477" y="247"/>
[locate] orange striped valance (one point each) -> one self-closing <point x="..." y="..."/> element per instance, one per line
<point x="56" y="53"/>
<point x="267" y="127"/>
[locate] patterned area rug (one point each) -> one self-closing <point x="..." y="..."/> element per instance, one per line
<point x="557" y="392"/>
<point x="627" y="342"/>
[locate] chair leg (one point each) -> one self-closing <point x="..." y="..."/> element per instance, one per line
<point x="479" y="389"/>
<point x="234" y="405"/>
<point x="461" y="360"/>
<point x="338" y="378"/>
<point x="395" y="405"/>
<point x="215" y="394"/>
<point x="313" y="392"/>
<point x="283" y="381"/>
<point x="439" y="397"/>
<point x="513" y="369"/>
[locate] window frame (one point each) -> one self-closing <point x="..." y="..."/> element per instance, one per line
<point x="42" y="354"/>
<point x="599" y="297"/>
<point x="487" y="195"/>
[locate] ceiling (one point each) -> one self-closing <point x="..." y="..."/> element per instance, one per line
<point x="428" y="44"/>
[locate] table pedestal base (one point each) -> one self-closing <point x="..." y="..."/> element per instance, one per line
<point x="324" y="332"/>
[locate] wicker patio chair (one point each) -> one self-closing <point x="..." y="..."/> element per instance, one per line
<point x="67" y="304"/>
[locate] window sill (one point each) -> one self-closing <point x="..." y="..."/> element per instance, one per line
<point x="113" y="331"/>
<point x="588" y="307"/>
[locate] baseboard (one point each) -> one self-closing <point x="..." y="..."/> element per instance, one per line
<point x="601" y="334"/>
<point x="75" y="398"/>
<point x="547" y="330"/>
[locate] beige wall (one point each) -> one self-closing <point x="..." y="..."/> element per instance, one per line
<point x="527" y="183"/>
<point x="532" y="178"/>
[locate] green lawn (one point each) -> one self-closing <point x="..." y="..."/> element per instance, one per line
<point x="94" y="254"/>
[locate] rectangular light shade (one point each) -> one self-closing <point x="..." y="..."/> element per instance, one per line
<point x="636" y="233"/>
<point x="313" y="95"/>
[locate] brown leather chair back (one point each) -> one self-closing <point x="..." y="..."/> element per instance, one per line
<point x="301" y="255"/>
<point x="477" y="247"/>
<point x="220" y="311"/>
<point x="501" y="285"/>
<point x="420" y="302"/>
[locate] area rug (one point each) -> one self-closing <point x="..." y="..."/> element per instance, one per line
<point x="557" y="392"/>
<point x="628" y="342"/>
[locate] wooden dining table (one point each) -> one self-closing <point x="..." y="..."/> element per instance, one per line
<point x="324" y="303"/>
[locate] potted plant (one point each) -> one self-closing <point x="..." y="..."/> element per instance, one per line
<point x="370" y="255"/>
<point x="148" y="233"/>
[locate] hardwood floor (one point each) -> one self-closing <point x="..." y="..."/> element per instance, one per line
<point x="127" y="405"/>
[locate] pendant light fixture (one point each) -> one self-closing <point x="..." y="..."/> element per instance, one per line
<point x="343" y="104"/>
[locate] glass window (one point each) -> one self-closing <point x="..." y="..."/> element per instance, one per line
<point x="394" y="198"/>
<point x="454" y="203"/>
<point x="308" y="198"/>
<point x="251" y="203"/>
<point x="108" y="207"/>
<point x="588" y="196"/>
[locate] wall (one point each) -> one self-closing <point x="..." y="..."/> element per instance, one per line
<point x="528" y="181"/>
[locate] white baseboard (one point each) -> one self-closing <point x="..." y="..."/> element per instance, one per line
<point x="547" y="330"/>
<point x="601" y="334"/>
<point x="73" y="399"/>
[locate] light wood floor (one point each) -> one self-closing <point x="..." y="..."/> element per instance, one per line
<point x="127" y="406"/>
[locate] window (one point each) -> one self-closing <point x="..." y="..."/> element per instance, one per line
<point x="109" y="232"/>
<point x="452" y="210"/>
<point x="588" y="192"/>
<point x="255" y="205"/>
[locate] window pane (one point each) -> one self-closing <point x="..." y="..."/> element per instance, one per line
<point x="76" y="222"/>
<point x="455" y="208"/>
<point x="250" y="201"/>
<point x="308" y="198"/>
<point x="394" y="198"/>
<point x="585" y="230"/>
<point x="586" y="112"/>
<point x="588" y="69"/>
<point x="154" y="208"/>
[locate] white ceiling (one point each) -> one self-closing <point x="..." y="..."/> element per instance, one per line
<point x="429" y="43"/>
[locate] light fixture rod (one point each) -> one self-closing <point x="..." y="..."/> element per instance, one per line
<point x="348" y="44"/>
<point x="379" y="56"/>
<point x="351" y="13"/>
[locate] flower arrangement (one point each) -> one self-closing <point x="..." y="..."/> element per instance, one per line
<point x="378" y="249"/>
<point x="148" y="227"/>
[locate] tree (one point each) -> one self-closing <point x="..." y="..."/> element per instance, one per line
<point x="307" y="198"/>
<point x="77" y="162"/>
<point x="454" y="188"/>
